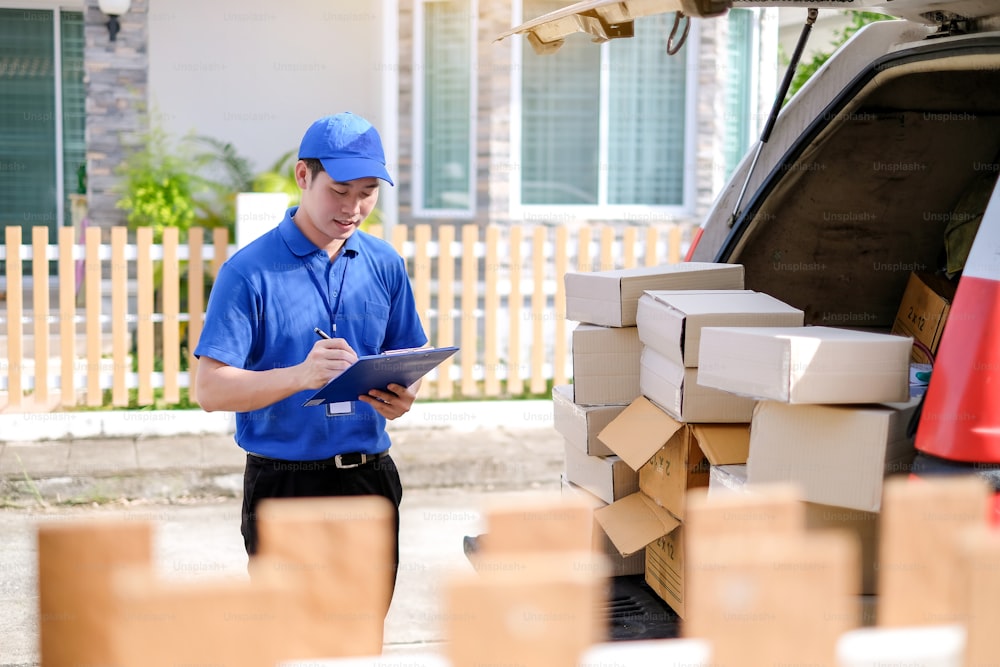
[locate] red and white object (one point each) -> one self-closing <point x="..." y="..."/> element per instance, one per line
<point x="960" y="420"/>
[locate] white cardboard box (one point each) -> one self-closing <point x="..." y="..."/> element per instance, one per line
<point x="671" y="322"/>
<point x="610" y="298"/>
<point x="580" y="424"/>
<point x="607" y="477"/>
<point x="605" y="364"/>
<point x="676" y="391"/>
<point x="806" y="364"/>
<point x="838" y="455"/>
<point x="727" y="479"/>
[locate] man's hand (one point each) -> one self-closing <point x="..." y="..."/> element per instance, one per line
<point x="222" y="387"/>
<point x="394" y="403"/>
<point x="328" y="358"/>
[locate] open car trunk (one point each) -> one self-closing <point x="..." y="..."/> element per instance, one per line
<point x="874" y="188"/>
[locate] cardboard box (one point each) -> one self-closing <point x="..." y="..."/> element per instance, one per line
<point x="732" y="479"/>
<point x="637" y="522"/>
<point x="535" y="609"/>
<point x="610" y="298"/>
<point x="806" y="364"/>
<point x="620" y="565"/>
<point x="535" y="523"/>
<point x="672" y="457"/>
<point x="607" y="477"/>
<point x="728" y="480"/>
<point x="666" y="569"/>
<point x="605" y="365"/>
<point x="923" y="312"/>
<point x="771" y="598"/>
<point x="671" y="322"/>
<point x="838" y="455"/>
<point x="580" y="424"/>
<point x="863" y="525"/>
<point x="676" y="390"/>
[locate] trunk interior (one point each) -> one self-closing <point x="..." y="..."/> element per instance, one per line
<point x="893" y="181"/>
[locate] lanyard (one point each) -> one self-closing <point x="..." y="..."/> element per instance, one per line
<point x="322" y="287"/>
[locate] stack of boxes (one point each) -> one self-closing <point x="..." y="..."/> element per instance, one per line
<point x="606" y="359"/>
<point x="676" y="430"/>
<point x="832" y="417"/>
<point x="683" y="380"/>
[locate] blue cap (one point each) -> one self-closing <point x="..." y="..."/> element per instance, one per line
<point x="348" y="146"/>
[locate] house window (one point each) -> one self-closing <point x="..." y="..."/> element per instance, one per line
<point x="607" y="126"/>
<point x="444" y="171"/>
<point x="738" y="87"/>
<point x="41" y="115"/>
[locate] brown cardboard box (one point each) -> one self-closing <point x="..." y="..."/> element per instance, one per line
<point x="637" y="521"/>
<point x="619" y="565"/>
<point x="921" y="575"/>
<point x="806" y="364"/>
<point x="923" y="311"/>
<point x="530" y="610"/>
<point x="675" y="389"/>
<point x="979" y="552"/>
<point x="537" y="522"/>
<point x="77" y="603"/>
<point x="219" y="621"/>
<point x="610" y="298"/>
<point x="607" y="477"/>
<point x="666" y="570"/>
<point x="771" y="598"/>
<point x="670" y="322"/>
<point x="838" y="454"/>
<point x="863" y="525"/>
<point x="605" y="364"/>
<point x="731" y="479"/>
<point x="672" y="457"/>
<point x="580" y="424"/>
<point x="334" y="558"/>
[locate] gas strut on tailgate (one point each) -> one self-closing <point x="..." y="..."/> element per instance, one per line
<point x="776" y="107"/>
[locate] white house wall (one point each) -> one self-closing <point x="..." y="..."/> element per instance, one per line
<point x="255" y="73"/>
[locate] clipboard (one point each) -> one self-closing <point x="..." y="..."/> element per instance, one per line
<point x="378" y="371"/>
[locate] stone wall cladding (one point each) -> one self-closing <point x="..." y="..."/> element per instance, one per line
<point x="116" y="82"/>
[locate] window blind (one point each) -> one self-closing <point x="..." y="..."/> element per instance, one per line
<point x="647" y="117"/>
<point x="27" y="118"/>
<point x="737" y="88"/>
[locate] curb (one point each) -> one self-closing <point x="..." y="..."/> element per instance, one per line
<point x="170" y="455"/>
<point x="460" y="415"/>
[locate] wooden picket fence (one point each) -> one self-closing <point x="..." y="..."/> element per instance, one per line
<point x="106" y="338"/>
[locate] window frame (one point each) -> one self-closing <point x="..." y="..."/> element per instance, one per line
<point x="57" y="8"/>
<point x="419" y="208"/>
<point x="604" y="211"/>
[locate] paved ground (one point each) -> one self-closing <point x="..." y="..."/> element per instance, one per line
<point x="452" y="461"/>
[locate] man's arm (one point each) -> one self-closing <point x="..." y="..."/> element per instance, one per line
<point x="223" y="387"/>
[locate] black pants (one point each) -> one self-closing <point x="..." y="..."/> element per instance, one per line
<point x="269" y="478"/>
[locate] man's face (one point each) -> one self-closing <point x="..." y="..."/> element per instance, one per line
<point x="334" y="209"/>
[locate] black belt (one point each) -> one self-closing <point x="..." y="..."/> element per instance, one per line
<point x="342" y="461"/>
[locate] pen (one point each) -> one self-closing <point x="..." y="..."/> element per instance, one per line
<point x="321" y="333"/>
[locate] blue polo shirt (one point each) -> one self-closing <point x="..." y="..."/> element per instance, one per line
<point x="266" y="301"/>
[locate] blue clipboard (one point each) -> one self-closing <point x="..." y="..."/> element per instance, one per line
<point x="378" y="371"/>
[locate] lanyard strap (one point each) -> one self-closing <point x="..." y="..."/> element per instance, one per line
<point x="321" y="286"/>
